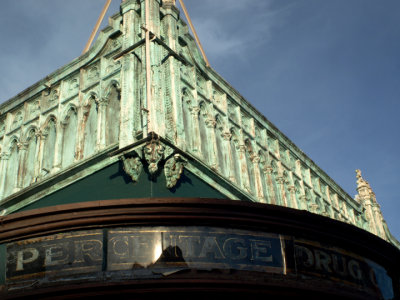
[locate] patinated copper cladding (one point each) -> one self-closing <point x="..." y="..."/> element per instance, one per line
<point x="143" y="78"/>
<point x="116" y="172"/>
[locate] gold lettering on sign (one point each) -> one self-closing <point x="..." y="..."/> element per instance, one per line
<point x="89" y="249"/>
<point x="120" y="246"/>
<point x="69" y="255"/>
<point x="56" y="254"/>
<point x="26" y="256"/>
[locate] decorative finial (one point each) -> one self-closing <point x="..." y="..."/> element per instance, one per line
<point x="363" y="188"/>
<point x="360" y="181"/>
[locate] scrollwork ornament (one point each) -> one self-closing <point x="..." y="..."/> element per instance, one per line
<point x="73" y="84"/>
<point x="153" y="153"/>
<point x="93" y="73"/>
<point x="173" y="170"/>
<point x="18" y="119"/>
<point x="133" y="167"/>
<point x="35" y="108"/>
<point x="54" y="96"/>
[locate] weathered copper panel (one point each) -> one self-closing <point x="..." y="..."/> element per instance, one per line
<point x="66" y="127"/>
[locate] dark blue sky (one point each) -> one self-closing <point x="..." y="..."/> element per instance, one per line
<point x="325" y="72"/>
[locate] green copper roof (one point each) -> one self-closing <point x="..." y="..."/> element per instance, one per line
<point x="75" y="124"/>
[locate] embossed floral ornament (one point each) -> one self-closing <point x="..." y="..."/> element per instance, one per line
<point x="153" y="152"/>
<point x="133" y="167"/>
<point x="173" y="169"/>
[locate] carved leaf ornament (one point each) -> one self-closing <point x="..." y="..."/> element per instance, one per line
<point x="133" y="167"/>
<point x="153" y="153"/>
<point x="173" y="170"/>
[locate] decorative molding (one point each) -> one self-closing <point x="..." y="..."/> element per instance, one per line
<point x="89" y="80"/>
<point x="133" y="167"/>
<point x="153" y="153"/>
<point x="173" y="169"/>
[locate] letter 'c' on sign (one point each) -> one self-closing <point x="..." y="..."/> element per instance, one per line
<point x="26" y="256"/>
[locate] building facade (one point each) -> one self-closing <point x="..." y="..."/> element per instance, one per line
<point x="136" y="168"/>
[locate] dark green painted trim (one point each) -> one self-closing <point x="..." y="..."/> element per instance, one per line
<point x="45" y="184"/>
<point x="113" y="183"/>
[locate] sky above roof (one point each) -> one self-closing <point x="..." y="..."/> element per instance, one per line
<point x="326" y="73"/>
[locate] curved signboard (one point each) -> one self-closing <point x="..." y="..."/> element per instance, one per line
<point x="115" y="254"/>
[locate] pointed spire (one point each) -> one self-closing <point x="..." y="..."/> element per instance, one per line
<point x="372" y="209"/>
<point x="360" y="180"/>
<point x="364" y="189"/>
